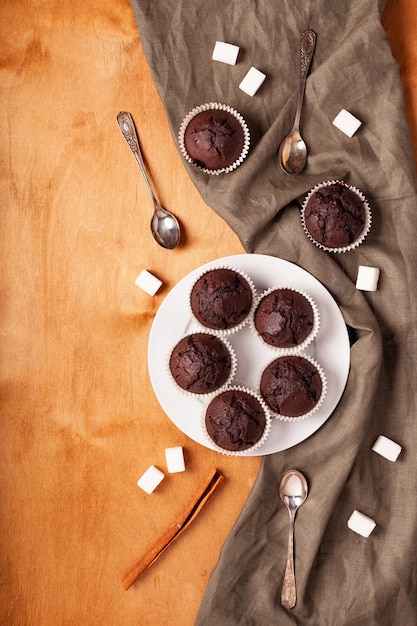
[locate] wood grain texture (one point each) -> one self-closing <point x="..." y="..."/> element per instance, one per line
<point x="79" y="420"/>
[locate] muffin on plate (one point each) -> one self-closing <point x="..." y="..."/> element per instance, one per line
<point x="222" y="299"/>
<point x="214" y="137"/>
<point x="201" y="363"/>
<point x="236" y="420"/>
<point x="286" y="318"/>
<point x="292" y="386"/>
<point x="336" y="216"/>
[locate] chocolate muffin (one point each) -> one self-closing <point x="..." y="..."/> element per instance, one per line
<point x="221" y="299"/>
<point x="291" y="386"/>
<point x="235" y="420"/>
<point x="200" y="363"/>
<point x="214" y="139"/>
<point x="335" y="215"/>
<point x="284" y="318"/>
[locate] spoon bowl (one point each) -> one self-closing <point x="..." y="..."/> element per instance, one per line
<point x="165" y="228"/>
<point x="164" y="225"/>
<point x="293" y="153"/>
<point x="293" y="491"/>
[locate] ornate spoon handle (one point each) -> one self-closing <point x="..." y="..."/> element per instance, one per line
<point x="288" y="592"/>
<point x="307" y="47"/>
<point x="128" y="130"/>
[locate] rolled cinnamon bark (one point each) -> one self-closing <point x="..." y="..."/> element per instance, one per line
<point x="188" y="514"/>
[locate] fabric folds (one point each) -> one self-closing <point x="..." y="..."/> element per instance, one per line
<point x="342" y="578"/>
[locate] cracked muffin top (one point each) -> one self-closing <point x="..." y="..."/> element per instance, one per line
<point x="335" y="215"/>
<point x="221" y="299"/>
<point x="291" y="386"/>
<point x="200" y="363"/>
<point x="284" y="318"/>
<point x="214" y="139"/>
<point x="235" y="420"/>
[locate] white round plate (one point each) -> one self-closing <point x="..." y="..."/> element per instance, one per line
<point x="330" y="349"/>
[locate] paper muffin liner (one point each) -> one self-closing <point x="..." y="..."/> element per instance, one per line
<point x="226" y="331"/>
<point x="219" y="107"/>
<point x="366" y="227"/>
<point x="208" y="394"/>
<point x="298" y="418"/>
<point x="279" y="351"/>
<point x="258" y="444"/>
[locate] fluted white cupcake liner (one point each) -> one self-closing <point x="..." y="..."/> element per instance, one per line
<point x="258" y="444"/>
<point x="298" y="418"/>
<point x="222" y="107"/>
<point x="208" y="394"/>
<point x="279" y="351"/>
<point x="366" y="227"/>
<point x="226" y="331"/>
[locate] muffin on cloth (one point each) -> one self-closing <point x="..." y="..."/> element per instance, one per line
<point x="336" y="216"/>
<point x="292" y="386"/>
<point x="286" y="318"/>
<point x="201" y="363"/>
<point x="222" y="299"/>
<point x="236" y="420"/>
<point x="214" y="137"/>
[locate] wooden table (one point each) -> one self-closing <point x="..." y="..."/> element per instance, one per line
<point x="79" y="420"/>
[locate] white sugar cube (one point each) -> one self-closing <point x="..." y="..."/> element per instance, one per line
<point x="252" y="81"/>
<point x="150" y="479"/>
<point x="346" y="122"/>
<point x="367" y="279"/>
<point x="387" y="448"/>
<point x="175" y="459"/>
<point x="148" y="282"/>
<point x="225" y="52"/>
<point x="361" y="524"/>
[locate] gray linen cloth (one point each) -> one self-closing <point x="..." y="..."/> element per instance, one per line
<point x="343" y="578"/>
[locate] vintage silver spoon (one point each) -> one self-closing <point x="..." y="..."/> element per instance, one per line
<point x="293" y="150"/>
<point x="293" y="491"/>
<point x="164" y="225"/>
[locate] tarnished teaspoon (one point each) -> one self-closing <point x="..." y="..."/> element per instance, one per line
<point x="164" y="225"/>
<point x="293" y="491"/>
<point x="293" y="150"/>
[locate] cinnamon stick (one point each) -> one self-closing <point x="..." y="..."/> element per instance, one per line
<point x="187" y="515"/>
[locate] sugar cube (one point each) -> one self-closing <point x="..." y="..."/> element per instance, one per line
<point x="150" y="479"/>
<point x="225" y="52"/>
<point x="252" y="81"/>
<point x="346" y="122"/>
<point x="361" y="524"/>
<point x="148" y="282"/>
<point x="175" y="459"/>
<point x="387" y="448"/>
<point x="367" y="279"/>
